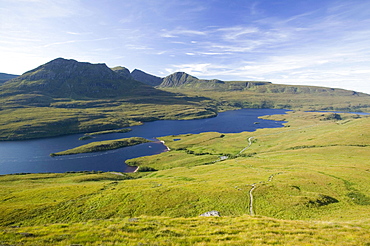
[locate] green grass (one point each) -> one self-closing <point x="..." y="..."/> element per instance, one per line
<point x="283" y="96"/>
<point x="243" y="230"/>
<point x="102" y="146"/>
<point x="311" y="183"/>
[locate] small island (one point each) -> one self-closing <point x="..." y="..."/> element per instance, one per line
<point x="103" y="146"/>
<point x="89" y="135"/>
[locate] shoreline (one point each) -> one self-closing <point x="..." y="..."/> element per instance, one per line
<point x="137" y="168"/>
<point x="168" y="148"/>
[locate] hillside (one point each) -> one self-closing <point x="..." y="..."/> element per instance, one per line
<point x="306" y="183"/>
<point x="259" y="94"/>
<point x="183" y="80"/>
<point x="5" y="77"/>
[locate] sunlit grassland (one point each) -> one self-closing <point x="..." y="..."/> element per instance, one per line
<point x="301" y="157"/>
<point x="263" y="97"/>
<point x="243" y="230"/>
<point x="311" y="181"/>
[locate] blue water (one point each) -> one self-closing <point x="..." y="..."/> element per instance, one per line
<point x="33" y="156"/>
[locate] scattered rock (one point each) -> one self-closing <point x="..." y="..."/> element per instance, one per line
<point x="211" y="213"/>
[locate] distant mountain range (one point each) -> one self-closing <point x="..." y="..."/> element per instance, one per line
<point x="72" y="79"/>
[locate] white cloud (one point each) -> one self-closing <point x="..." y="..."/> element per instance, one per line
<point x="181" y="32"/>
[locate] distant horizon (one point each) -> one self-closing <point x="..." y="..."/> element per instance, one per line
<point x="316" y="43"/>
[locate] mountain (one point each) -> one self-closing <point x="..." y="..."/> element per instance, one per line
<point x="146" y="78"/>
<point x="5" y="77"/>
<point x="184" y="80"/>
<point x="178" y="79"/>
<point x="64" y="78"/>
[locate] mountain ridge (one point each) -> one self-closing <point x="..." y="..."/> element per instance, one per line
<point x="146" y="78"/>
<point x="72" y="79"/>
<point x="99" y="80"/>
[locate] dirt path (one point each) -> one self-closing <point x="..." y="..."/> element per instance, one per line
<point x="251" y="198"/>
<point x="251" y="211"/>
<point x="249" y="145"/>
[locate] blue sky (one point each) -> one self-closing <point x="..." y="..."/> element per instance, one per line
<point x="302" y="42"/>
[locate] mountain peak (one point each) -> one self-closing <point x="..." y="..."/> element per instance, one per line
<point x="178" y="79"/>
<point x="72" y="79"/>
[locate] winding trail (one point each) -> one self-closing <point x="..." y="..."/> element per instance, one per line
<point x="249" y="145"/>
<point x="251" y="199"/>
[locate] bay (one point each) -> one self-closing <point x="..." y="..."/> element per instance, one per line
<point x="33" y="156"/>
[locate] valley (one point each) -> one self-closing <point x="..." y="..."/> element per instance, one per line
<point x="320" y="169"/>
<point x="53" y="99"/>
<point x="306" y="183"/>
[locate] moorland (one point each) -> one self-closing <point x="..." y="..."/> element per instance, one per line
<point x="304" y="184"/>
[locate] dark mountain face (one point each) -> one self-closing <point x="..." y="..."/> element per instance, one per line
<point x="5" y="77"/>
<point x="73" y="79"/>
<point x="146" y="78"/>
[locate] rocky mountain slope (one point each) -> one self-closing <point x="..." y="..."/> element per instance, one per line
<point x="64" y="78"/>
<point x="146" y="78"/>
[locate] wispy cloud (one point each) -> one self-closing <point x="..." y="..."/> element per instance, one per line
<point x="307" y="48"/>
<point x="178" y="32"/>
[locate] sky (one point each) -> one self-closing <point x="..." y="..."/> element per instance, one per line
<point x="300" y="42"/>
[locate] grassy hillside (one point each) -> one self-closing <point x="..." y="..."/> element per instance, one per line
<point x="238" y="95"/>
<point x="309" y="182"/>
<point x="243" y="230"/>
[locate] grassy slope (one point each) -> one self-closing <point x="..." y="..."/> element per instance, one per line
<point x="283" y="96"/>
<point x="296" y="170"/>
<point x="243" y="230"/>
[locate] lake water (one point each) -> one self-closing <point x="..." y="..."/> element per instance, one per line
<point x="33" y="156"/>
